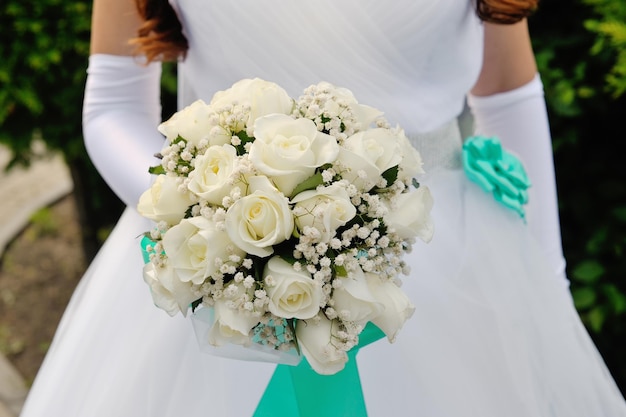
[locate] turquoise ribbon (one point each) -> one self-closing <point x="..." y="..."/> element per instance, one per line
<point x="145" y="242"/>
<point x="299" y="391"/>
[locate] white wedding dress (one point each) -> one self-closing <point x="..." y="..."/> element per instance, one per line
<point x="494" y="332"/>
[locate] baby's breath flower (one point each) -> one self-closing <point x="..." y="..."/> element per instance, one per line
<point x="270" y="281"/>
<point x="248" y="282"/>
<point x="319" y="276"/>
<point x="328" y="175"/>
<point x="227" y="269"/>
<point x="335" y="243"/>
<point x="227" y="201"/>
<point x="247" y="263"/>
<point x="321" y="248"/>
<point x="363" y="232"/>
<point x="337" y="283"/>
<point x="325" y="261"/>
<point x="344" y="315"/>
<point x="383" y="242"/>
<point x="330" y="313"/>
<point x="327" y="289"/>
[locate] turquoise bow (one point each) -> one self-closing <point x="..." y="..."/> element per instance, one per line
<point x="496" y="171"/>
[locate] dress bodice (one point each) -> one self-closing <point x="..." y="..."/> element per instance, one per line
<point x="415" y="60"/>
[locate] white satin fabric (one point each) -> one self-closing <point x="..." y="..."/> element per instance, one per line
<point x="493" y="334"/>
<point x="414" y="60"/>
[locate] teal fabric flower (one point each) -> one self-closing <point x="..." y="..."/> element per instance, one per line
<point x="496" y="171"/>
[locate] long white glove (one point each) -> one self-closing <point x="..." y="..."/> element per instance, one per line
<point x="519" y="118"/>
<point x="121" y="112"/>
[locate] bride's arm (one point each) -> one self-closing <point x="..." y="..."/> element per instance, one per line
<point x="113" y="24"/>
<point x="508" y="59"/>
<point x="508" y="102"/>
<point x="121" y="107"/>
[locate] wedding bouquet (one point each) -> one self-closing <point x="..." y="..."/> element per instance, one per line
<point x="286" y="218"/>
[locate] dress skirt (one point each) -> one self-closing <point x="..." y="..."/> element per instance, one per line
<point x="494" y="333"/>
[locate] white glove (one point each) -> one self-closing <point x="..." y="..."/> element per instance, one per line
<point x="121" y="113"/>
<point x="519" y="118"/>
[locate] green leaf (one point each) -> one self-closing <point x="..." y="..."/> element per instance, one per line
<point x="597" y="241"/>
<point x="244" y="138"/>
<point x="157" y="170"/>
<point x="309" y="184"/>
<point x="584" y="298"/>
<point x="391" y="175"/>
<point x="340" y="271"/>
<point x="617" y="299"/>
<point x="596" y="318"/>
<point x="588" y="271"/>
<point x="195" y="304"/>
<point x="586" y="92"/>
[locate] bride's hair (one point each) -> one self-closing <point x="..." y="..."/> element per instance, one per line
<point x="160" y="37"/>
<point x="505" y="11"/>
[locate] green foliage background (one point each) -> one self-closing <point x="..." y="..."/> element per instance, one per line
<point x="43" y="48"/>
<point x="581" y="52"/>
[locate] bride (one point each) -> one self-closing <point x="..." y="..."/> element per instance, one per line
<point x="494" y="332"/>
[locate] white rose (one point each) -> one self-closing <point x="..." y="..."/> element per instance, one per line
<point x="193" y="123"/>
<point x="163" y="201"/>
<point x="324" y="209"/>
<point x="398" y="307"/>
<point x="194" y="245"/>
<point x="232" y="325"/>
<point x="364" y="115"/>
<point x="410" y="215"/>
<point x="262" y="96"/>
<point x="289" y="150"/>
<point x="168" y="291"/>
<point x="411" y="164"/>
<point x="315" y="340"/>
<point x="261" y="219"/>
<point x="212" y="176"/>
<point x="373" y="152"/>
<point x="354" y="296"/>
<point x="292" y="294"/>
